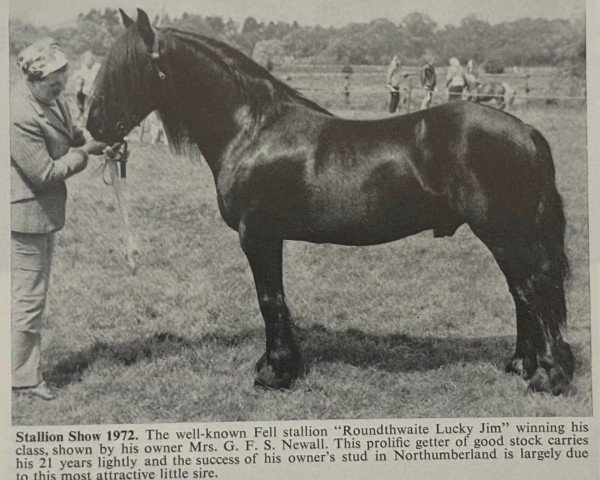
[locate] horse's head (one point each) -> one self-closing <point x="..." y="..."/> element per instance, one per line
<point x="128" y="85"/>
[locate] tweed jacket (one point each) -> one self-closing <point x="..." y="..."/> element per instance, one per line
<point x="41" y="158"/>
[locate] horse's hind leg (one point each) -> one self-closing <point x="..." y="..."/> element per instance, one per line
<point x="535" y="281"/>
<point x="281" y="363"/>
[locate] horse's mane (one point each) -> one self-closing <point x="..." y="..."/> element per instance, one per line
<point x="253" y="84"/>
<point x="253" y="80"/>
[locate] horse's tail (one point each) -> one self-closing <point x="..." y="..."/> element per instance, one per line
<point x="549" y="216"/>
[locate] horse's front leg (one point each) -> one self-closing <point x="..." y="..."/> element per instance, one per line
<point x="281" y="363"/>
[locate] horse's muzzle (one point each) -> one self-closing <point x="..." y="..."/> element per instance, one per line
<point x="94" y="126"/>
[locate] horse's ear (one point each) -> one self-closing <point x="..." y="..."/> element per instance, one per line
<point x="128" y="22"/>
<point x="145" y="29"/>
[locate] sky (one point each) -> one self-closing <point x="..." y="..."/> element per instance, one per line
<point x="336" y="13"/>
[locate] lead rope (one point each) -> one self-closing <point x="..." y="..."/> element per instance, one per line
<point x="119" y="184"/>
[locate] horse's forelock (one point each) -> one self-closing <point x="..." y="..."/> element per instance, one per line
<point x="125" y="65"/>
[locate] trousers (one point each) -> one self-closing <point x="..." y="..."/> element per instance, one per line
<point x="394" y="99"/>
<point x="427" y="99"/>
<point x="31" y="258"/>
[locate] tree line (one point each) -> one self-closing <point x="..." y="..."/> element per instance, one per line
<point x="523" y="42"/>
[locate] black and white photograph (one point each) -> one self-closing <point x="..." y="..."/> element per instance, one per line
<point x="230" y="211"/>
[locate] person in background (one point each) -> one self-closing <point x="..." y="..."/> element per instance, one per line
<point x="394" y="77"/>
<point x="84" y="78"/>
<point x="428" y="81"/>
<point x="471" y="68"/>
<point x="347" y="89"/>
<point x="455" y="80"/>
<point x="45" y="150"/>
<point x="471" y="79"/>
<point x="347" y="71"/>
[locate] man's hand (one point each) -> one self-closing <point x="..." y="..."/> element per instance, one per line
<point x="94" y="147"/>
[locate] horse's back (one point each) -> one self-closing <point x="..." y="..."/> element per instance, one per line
<point x="357" y="182"/>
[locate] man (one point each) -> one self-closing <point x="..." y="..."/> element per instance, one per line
<point x="471" y="79"/>
<point x="394" y="77"/>
<point x="428" y="82"/>
<point x="45" y="149"/>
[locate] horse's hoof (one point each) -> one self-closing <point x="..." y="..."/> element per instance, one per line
<point x="277" y="375"/>
<point x="553" y="374"/>
<point x="515" y="366"/>
<point x="268" y="378"/>
<point x="550" y="380"/>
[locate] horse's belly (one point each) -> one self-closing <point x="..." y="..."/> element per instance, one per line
<point x="361" y="221"/>
<point x="355" y="236"/>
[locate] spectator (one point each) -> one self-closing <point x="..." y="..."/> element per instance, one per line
<point x="472" y="77"/>
<point x="455" y="80"/>
<point x="347" y="70"/>
<point x="428" y="81"/>
<point x="471" y="68"/>
<point x="394" y="77"/>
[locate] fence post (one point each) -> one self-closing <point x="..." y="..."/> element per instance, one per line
<point x="409" y="93"/>
<point x="526" y="88"/>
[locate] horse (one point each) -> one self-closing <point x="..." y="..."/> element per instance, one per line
<point x="287" y="169"/>
<point x="498" y="92"/>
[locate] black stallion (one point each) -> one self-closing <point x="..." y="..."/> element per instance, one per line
<point x="287" y="169"/>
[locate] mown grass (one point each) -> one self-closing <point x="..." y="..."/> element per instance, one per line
<point x="417" y="328"/>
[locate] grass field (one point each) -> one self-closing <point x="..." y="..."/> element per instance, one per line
<point x="417" y="328"/>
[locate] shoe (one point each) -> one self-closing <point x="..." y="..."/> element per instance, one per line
<point x="41" y="390"/>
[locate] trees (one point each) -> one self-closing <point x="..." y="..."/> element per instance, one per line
<point x="194" y="23"/>
<point x="95" y="31"/>
<point x="307" y="42"/>
<point x="470" y="40"/>
<point x="419" y="30"/>
<point x="216" y="25"/>
<point x="366" y="43"/>
<point x="521" y="42"/>
<point x="269" y="52"/>
<point x="532" y="41"/>
<point x="22" y="35"/>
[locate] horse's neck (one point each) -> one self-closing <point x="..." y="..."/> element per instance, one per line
<point x="213" y="116"/>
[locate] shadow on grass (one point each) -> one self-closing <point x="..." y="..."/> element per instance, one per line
<point x="71" y="368"/>
<point x="399" y="352"/>
<point x="392" y="353"/>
